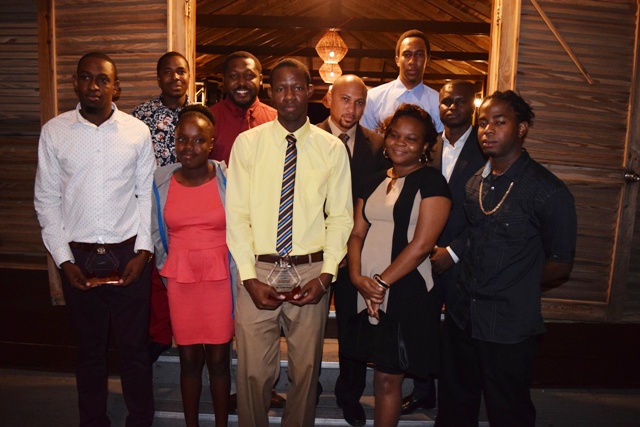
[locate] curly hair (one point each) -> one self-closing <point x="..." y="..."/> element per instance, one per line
<point x="414" y="111"/>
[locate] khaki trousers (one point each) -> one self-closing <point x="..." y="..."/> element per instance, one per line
<point x="258" y="341"/>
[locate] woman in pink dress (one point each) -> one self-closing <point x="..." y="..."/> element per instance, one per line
<point x="189" y="231"/>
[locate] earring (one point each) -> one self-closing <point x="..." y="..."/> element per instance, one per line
<point x="423" y="158"/>
<point x="384" y="153"/>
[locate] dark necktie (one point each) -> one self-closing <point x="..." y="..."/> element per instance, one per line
<point x="345" y="138"/>
<point x="284" y="242"/>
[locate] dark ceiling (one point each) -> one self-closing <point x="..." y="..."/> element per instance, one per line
<point x="271" y="29"/>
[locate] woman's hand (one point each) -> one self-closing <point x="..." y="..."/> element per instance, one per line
<point x="372" y="309"/>
<point x="369" y="289"/>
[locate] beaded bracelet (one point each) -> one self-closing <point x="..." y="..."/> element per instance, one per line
<point x="380" y="282"/>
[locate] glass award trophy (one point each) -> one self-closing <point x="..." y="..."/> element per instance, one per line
<point x="284" y="278"/>
<point x="102" y="267"/>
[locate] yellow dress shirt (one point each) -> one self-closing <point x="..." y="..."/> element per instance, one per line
<point x="322" y="203"/>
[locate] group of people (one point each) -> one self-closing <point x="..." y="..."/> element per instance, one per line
<point x="396" y="204"/>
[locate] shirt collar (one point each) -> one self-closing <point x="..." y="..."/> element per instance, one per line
<point x="512" y="171"/>
<point x="336" y="131"/>
<point x="398" y="88"/>
<point x="301" y="133"/>
<point x="113" y="119"/>
<point x="186" y="102"/>
<point x="237" y="110"/>
<point x="460" y="142"/>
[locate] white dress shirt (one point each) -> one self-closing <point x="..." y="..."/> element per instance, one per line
<point x="94" y="183"/>
<point x="450" y="153"/>
<point x="383" y="100"/>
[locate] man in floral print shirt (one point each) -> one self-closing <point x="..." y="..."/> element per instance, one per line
<point x="161" y="113"/>
<point x="161" y="116"/>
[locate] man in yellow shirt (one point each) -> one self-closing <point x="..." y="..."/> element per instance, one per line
<point x="322" y="218"/>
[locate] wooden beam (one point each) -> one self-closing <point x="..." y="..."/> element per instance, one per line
<point x="353" y="24"/>
<point x="626" y="226"/>
<point x="562" y="42"/>
<point x="181" y="32"/>
<point x="391" y="75"/>
<point x="310" y="51"/>
<point x="503" y="57"/>
<point x="47" y="63"/>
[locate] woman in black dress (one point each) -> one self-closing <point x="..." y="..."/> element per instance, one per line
<point x="398" y="218"/>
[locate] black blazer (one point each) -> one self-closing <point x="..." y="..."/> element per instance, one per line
<point x="367" y="155"/>
<point x="455" y="234"/>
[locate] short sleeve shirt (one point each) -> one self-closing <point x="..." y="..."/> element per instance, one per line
<point x="498" y="292"/>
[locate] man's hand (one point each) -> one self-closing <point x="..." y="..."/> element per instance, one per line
<point x="264" y="296"/>
<point x="75" y="276"/>
<point x="313" y="291"/>
<point x="134" y="268"/>
<point x="441" y="261"/>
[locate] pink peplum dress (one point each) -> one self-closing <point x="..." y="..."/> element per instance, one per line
<point x="197" y="267"/>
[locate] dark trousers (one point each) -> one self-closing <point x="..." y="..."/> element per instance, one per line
<point x="353" y="373"/>
<point x="126" y="311"/>
<point x="471" y="368"/>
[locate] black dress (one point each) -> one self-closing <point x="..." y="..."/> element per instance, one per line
<point x="392" y="218"/>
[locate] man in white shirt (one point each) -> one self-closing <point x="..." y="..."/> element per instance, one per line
<point x="412" y="56"/>
<point x="93" y="200"/>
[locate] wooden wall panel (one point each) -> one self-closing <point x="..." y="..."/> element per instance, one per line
<point x="580" y="132"/>
<point x="19" y="130"/>
<point x="133" y="33"/>
<point x="20" y="105"/>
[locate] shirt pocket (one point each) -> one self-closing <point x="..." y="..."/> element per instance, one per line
<point x="311" y="187"/>
<point x="510" y="227"/>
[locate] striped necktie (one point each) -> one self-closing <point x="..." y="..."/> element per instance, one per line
<point x="345" y="139"/>
<point x="284" y="242"/>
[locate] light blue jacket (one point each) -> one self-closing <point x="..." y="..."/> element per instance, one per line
<point x="159" y="234"/>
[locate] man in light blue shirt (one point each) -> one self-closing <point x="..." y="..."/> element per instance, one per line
<point x="412" y="57"/>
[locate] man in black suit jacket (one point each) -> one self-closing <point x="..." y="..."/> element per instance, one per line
<point x="458" y="156"/>
<point x="346" y="100"/>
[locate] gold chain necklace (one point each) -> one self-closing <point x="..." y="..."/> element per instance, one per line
<point x="494" y="210"/>
<point x="394" y="177"/>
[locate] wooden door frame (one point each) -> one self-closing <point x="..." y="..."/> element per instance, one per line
<point x="503" y="67"/>
<point x="629" y="198"/>
<point x="181" y="34"/>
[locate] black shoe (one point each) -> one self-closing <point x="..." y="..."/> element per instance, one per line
<point x="277" y="401"/>
<point x="156" y="349"/>
<point x="233" y="404"/>
<point x="410" y="404"/>
<point x="354" y="414"/>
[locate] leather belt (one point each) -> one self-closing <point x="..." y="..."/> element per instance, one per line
<point x="293" y="259"/>
<point x="90" y="247"/>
